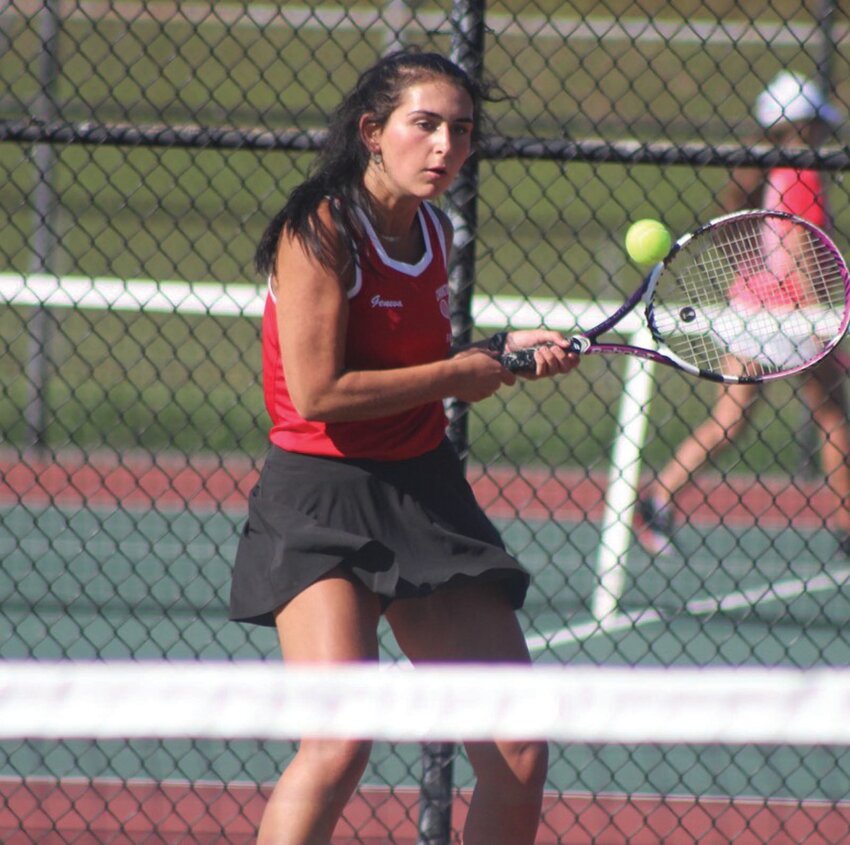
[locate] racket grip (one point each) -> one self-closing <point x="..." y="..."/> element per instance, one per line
<point x="521" y="361"/>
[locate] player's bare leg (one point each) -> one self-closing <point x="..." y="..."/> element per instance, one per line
<point x="825" y="394"/>
<point x="727" y="421"/>
<point x="334" y="620"/>
<point x="728" y="418"/>
<point x="475" y="622"/>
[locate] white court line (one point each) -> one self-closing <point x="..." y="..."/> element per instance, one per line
<point x="329" y="17"/>
<point x="616" y="622"/>
<point x="634" y="29"/>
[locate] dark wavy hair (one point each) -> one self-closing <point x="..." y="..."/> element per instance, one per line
<point x="339" y="167"/>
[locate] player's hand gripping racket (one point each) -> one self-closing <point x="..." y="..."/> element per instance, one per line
<point x="748" y="297"/>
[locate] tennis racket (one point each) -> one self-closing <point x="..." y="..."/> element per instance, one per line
<point x="748" y="297"/>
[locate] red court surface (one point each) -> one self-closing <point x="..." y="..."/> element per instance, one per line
<point x="49" y="812"/>
<point x="75" y="479"/>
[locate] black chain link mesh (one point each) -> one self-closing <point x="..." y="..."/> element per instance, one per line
<point x="143" y="146"/>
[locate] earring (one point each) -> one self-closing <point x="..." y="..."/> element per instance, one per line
<point x="377" y="158"/>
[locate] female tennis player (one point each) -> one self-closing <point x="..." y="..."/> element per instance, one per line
<point x="362" y="508"/>
<point x="794" y="113"/>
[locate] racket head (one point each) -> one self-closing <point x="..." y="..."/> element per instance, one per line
<point x="749" y="297"/>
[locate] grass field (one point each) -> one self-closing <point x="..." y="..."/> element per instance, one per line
<point x="545" y="229"/>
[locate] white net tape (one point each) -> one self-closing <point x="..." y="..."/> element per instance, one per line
<point x="576" y="704"/>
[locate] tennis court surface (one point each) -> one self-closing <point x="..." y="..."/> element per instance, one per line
<point x="686" y="721"/>
<point x="117" y="559"/>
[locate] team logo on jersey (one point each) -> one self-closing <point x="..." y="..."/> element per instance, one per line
<point x="443" y="299"/>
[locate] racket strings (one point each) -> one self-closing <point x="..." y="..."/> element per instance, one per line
<point x="752" y="296"/>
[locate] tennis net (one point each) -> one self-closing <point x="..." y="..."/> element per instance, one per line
<point x="131" y="752"/>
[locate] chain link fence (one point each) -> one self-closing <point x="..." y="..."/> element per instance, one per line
<point x="143" y="146"/>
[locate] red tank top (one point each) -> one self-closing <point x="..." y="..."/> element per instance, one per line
<point x="398" y="317"/>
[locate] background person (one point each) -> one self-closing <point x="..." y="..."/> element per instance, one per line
<point x="793" y="113"/>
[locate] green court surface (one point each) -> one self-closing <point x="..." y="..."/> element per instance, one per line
<point x="733" y="595"/>
<point x="98" y="582"/>
<point x="92" y="582"/>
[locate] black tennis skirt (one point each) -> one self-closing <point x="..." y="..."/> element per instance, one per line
<point x="403" y="528"/>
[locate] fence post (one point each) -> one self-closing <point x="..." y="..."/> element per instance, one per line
<point x="43" y="236"/>
<point x="808" y="438"/>
<point x="467" y="50"/>
<point x="826" y="26"/>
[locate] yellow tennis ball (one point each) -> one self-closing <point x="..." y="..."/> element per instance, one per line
<point x="647" y="241"/>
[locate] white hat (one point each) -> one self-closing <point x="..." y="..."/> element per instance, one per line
<point x="792" y="97"/>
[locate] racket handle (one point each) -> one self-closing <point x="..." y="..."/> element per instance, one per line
<point x="522" y="361"/>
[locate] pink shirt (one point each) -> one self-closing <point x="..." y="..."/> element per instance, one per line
<point x="779" y="286"/>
